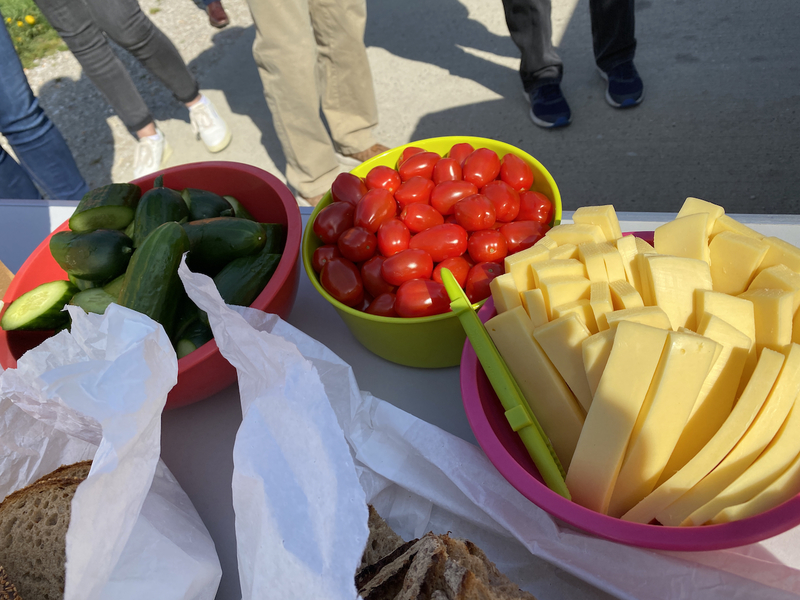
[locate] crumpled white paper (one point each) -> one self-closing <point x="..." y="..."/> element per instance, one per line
<point x="300" y="526"/>
<point x="97" y="392"/>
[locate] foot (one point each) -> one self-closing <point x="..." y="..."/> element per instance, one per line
<point x="373" y="150"/>
<point x="625" y="88"/>
<point x="209" y="126"/>
<point x="549" y="108"/>
<point x="152" y="154"/>
<point x="216" y="15"/>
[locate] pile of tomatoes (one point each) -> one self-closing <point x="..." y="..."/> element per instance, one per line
<point x="386" y="237"/>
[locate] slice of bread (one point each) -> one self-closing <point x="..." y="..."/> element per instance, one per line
<point x="382" y="539"/>
<point x="7" y="589"/>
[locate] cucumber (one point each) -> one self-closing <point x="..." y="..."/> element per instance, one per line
<point x="111" y="206"/>
<point x="40" y="309"/>
<point x="205" y="205"/>
<point x="243" y="279"/>
<point x="152" y="277"/>
<point x="156" y="207"/>
<point x="83" y="284"/>
<point x="94" y="300"/>
<point x="239" y="210"/>
<point x="98" y="255"/>
<point x="276" y="237"/>
<point x="197" y="334"/>
<point x="217" y="241"/>
<point x="114" y="286"/>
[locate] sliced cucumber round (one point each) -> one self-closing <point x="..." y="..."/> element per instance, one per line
<point x="40" y="309"/>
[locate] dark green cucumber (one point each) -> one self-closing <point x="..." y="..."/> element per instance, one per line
<point x="197" y="334"/>
<point x="40" y="309"/>
<point x="152" y="276"/>
<point x="205" y="205"/>
<point x="98" y="255"/>
<point x="157" y="206"/>
<point x="276" y="237"/>
<point x="111" y="206"/>
<point x="239" y="210"/>
<point x="114" y="286"/>
<point x="243" y="279"/>
<point x="94" y="300"/>
<point x="217" y="241"/>
<point x="83" y="284"/>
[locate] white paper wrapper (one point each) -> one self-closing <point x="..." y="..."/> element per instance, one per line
<point x="298" y="527"/>
<point x="97" y="392"/>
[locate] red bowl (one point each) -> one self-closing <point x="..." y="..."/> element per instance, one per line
<point x="203" y="372"/>
<point x="505" y="450"/>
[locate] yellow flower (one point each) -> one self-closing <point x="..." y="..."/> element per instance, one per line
<point x="20" y="23"/>
<point x="8" y="19"/>
<point x="30" y="20"/>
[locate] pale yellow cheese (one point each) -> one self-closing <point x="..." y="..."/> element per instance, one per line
<point x="728" y="223"/>
<point x="564" y="251"/>
<point x="533" y="302"/>
<point x="674" y="281"/>
<point x="546" y="242"/>
<point x="600" y="303"/>
<point x="796" y="327"/>
<point x="684" y="365"/>
<point x="779" y="277"/>
<point x="504" y="292"/>
<point x="567" y="267"/>
<point x="693" y="206"/>
<point x="620" y="393"/>
<point x="626" y="246"/>
<point x="781" y="252"/>
<point x="575" y="233"/>
<point x="646" y="315"/>
<point x="773" y="316"/>
<point x="734" y="261"/>
<point x="615" y="267"/>
<point x="642" y="246"/>
<point x="591" y="255"/>
<point x="595" y="350"/>
<point x="560" y="290"/>
<point x="581" y="309"/>
<point x="624" y="295"/>
<point x="685" y="236"/>
<point x="604" y="216"/>
<point x="732" y="430"/>
<point x="550" y="399"/>
<point x="517" y="265"/>
<point x="645" y="280"/>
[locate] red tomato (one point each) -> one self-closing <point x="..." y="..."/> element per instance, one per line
<point x="479" y="278"/>
<point x="460" y="152"/>
<point x="382" y="306"/>
<point x="393" y="237"/>
<point x="333" y="220"/>
<point x="383" y="177"/>
<point x="535" y="206"/>
<point x="415" y="190"/>
<point x="481" y="167"/>
<point x="357" y="244"/>
<point x="348" y="188"/>
<point x="523" y="234"/>
<point x="418" y="165"/>
<point x="374" y="283"/>
<point x="323" y="254"/>
<point x="516" y="172"/>
<point x="445" y="195"/>
<point x="419" y="217"/>
<point x="405" y="265"/>
<point x="446" y="169"/>
<point x="409" y="151"/>
<point x="377" y="205"/>
<point x="505" y="199"/>
<point x="447" y="240"/>
<point x="487" y="245"/>
<point x="421" y="298"/>
<point x="341" y="279"/>
<point x="475" y="212"/>
<point x="458" y="266"/>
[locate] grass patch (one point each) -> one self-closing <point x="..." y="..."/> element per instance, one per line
<point x="32" y="35"/>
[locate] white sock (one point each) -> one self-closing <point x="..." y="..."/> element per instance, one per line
<point x="156" y="138"/>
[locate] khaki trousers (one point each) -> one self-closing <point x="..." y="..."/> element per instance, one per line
<point x="311" y="56"/>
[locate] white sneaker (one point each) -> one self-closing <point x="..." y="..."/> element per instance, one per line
<point x="152" y="153"/>
<point x="209" y="126"/>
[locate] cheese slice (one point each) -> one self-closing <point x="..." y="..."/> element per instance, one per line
<point x="533" y="303"/>
<point x="615" y="267"/>
<point x="612" y="415"/>
<point x="517" y="265"/>
<point x="646" y="315"/>
<point x="684" y="365"/>
<point x="600" y="303"/>
<point x="546" y="242"/>
<point x="693" y="206"/>
<point x="504" y="292"/>
<point x="624" y="295"/>
<point x="626" y="246"/>
<point x="674" y="281"/>
<point x="779" y="277"/>
<point x="548" y="396"/>
<point x="591" y="255"/>
<point x="560" y="290"/>
<point x="732" y="430"/>
<point x="773" y="316"/>
<point x="596" y="350"/>
<point x="604" y="216"/>
<point x="568" y="267"/>
<point x="642" y="246"/>
<point x="685" y="236"/>
<point x="575" y="233"/>
<point x="581" y="309"/>
<point x="564" y="251"/>
<point x="728" y="223"/>
<point x="734" y="261"/>
<point x="781" y="252"/>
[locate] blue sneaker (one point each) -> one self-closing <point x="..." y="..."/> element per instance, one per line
<point x="625" y="88"/>
<point x="548" y="106"/>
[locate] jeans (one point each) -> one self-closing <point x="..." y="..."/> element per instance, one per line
<point x="45" y="160"/>
<point x="529" y="24"/>
<point x="84" y="25"/>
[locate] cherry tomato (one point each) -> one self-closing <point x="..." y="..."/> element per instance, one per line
<point x="445" y="195"/>
<point x="487" y="245"/>
<point x="357" y="244"/>
<point x="382" y="306"/>
<point x="348" y="188"/>
<point x="341" y="279"/>
<point x="383" y="177"/>
<point x="323" y="254"/>
<point x="418" y="165"/>
<point x="408" y="151"/>
<point x="333" y="220"/>
<point x="374" y="283"/>
<point x="419" y="217"/>
<point x="523" y="234"/>
<point x="460" y="152"/>
<point x="377" y="205"/>
<point x="393" y="237"/>
<point x="505" y="199"/>
<point x="475" y="212"/>
<point x="446" y="169"/>
<point x="516" y="172"/>
<point x="447" y="240"/>
<point x="458" y="266"/>
<point x="405" y="265"/>
<point x="481" y="167"/>
<point x="535" y="206"/>
<point x="415" y="190"/>
<point x="478" y="279"/>
<point x="421" y="298"/>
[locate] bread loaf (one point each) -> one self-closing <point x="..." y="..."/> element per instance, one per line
<point x="8" y="590"/>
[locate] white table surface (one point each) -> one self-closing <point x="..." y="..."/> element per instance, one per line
<point x="197" y="440"/>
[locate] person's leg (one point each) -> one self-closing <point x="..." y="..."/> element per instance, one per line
<point x="529" y="24"/>
<point x="15" y="184"/>
<point x="613" y="32"/>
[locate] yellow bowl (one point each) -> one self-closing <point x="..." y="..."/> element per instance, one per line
<point x="428" y="342"/>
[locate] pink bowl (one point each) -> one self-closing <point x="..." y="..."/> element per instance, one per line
<point x="204" y="372"/>
<point x="507" y="453"/>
